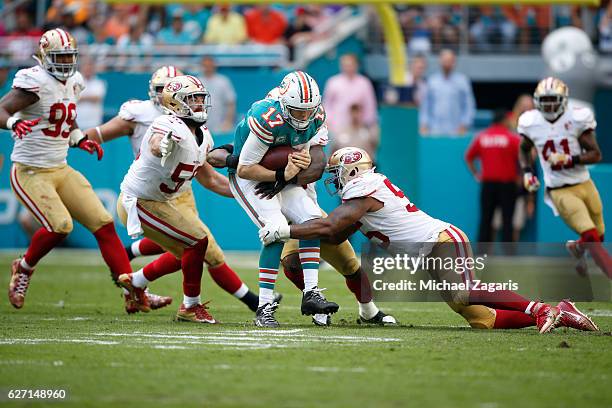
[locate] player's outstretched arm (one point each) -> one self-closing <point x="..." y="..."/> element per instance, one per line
<point x="315" y="171"/>
<point x="114" y="128"/>
<point x="14" y="101"/>
<point x="591" y="153"/>
<point x="525" y="156"/>
<point x="213" y="181"/>
<point x="338" y="226"/>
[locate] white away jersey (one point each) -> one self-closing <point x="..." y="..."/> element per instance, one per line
<point x="149" y="180"/>
<point x="142" y="113"/>
<point x="558" y="137"/>
<point x="47" y="145"/>
<point x="398" y="221"/>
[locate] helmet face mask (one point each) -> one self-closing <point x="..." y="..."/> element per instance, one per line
<point x="58" y="54"/>
<point x="300" y="99"/>
<point x="550" y="98"/>
<point x="185" y="96"/>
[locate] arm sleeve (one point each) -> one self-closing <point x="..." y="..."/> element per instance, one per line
<point x="253" y="150"/>
<point x="260" y="130"/>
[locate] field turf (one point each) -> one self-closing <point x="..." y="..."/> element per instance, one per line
<point x="72" y="334"/>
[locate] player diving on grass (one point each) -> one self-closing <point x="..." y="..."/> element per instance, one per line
<point x="340" y="256"/>
<point x="296" y="119"/>
<point x="133" y="120"/>
<point x="372" y="204"/>
<point x="172" y="152"/>
<point x="41" y="112"/>
<point x="565" y="141"/>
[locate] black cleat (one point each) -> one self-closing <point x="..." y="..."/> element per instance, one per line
<point x="264" y="316"/>
<point x="381" y="319"/>
<point x="313" y="302"/>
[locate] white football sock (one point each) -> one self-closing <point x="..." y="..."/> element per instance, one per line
<point x="25" y="265"/>
<point x="243" y="290"/>
<point x="265" y="296"/>
<point x="191" y="301"/>
<point x="311" y="279"/>
<point x="368" y="310"/>
<point x="136" y="248"/>
<point x="530" y="307"/>
<point x="139" y="280"/>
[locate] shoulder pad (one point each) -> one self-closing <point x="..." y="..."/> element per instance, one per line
<point x="526" y="120"/>
<point x="133" y="110"/>
<point x="260" y="126"/>
<point x="583" y="118"/>
<point x="362" y="186"/>
<point x="30" y="79"/>
<point x="163" y="124"/>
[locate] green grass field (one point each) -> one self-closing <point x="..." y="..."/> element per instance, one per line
<point x="72" y="334"/>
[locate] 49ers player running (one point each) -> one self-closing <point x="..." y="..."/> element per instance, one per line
<point x="370" y="202"/>
<point x="173" y="151"/>
<point x="41" y="112"/>
<point x="133" y="120"/>
<point x="565" y="140"/>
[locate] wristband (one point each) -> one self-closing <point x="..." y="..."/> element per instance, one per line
<point x="75" y="137"/>
<point x="10" y="122"/>
<point x="231" y="161"/>
<point x="528" y="170"/>
<point x="576" y="159"/>
<point x="99" y="132"/>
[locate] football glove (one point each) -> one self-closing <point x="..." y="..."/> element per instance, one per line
<point x="21" y="127"/>
<point x="91" y="146"/>
<point x="531" y="182"/>
<point x="166" y="146"/>
<point x="270" y="233"/>
<point x="559" y="159"/>
<point x="268" y="189"/>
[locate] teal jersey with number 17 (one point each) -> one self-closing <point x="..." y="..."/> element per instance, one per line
<point x="265" y="121"/>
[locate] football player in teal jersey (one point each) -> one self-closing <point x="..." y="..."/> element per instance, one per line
<point x="296" y="118"/>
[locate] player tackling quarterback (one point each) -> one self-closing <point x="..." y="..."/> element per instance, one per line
<point x="371" y="203"/>
<point x="565" y="141"/>
<point x="41" y="112"/>
<point x="134" y="118"/>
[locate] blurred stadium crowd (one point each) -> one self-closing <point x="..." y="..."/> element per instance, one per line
<point x="426" y="28"/>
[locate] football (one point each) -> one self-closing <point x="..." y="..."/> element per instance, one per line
<point x="276" y="157"/>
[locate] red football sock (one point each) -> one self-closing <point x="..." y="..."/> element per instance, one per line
<point x="42" y="242"/>
<point x="147" y="246"/>
<point x="226" y="278"/>
<point x="192" y="264"/>
<point x="112" y="250"/>
<point x="359" y="284"/>
<point x="500" y="299"/>
<point x="164" y="265"/>
<point x="295" y="275"/>
<point x="599" y="254"/>
<point x="511" y="319"/>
